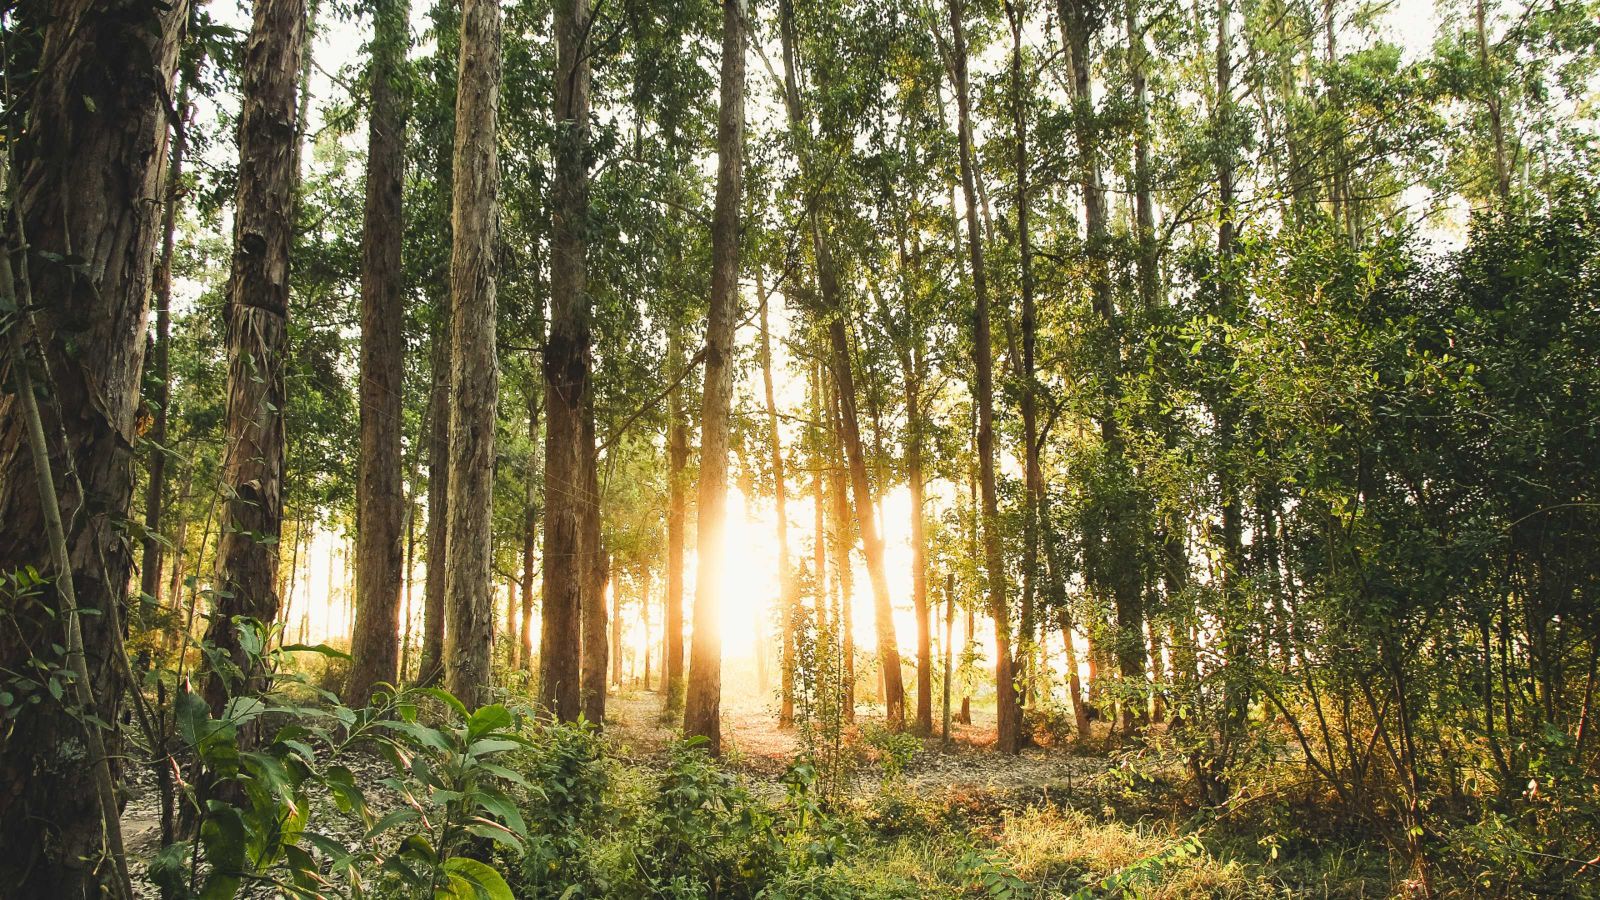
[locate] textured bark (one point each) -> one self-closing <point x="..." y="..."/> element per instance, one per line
<point x="431" y="668"/>
<point x="703" y="704"/>
<point x="1007" y="714"/>
<point x="86" y="185"/>
<point x="677" y="464"/>
<point x="474" y="369"/>
<point x="160" y="370"/>
<point x="258" y="301"/>
<point x="447" y="31"/>
<point x="788" y="589"/>
<point x="380" y="495"/>
<point x="566" y="373"/>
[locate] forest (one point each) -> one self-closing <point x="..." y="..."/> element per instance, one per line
<point x="495" y="449"/>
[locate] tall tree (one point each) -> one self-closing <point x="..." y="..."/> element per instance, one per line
<point x="1008" y="722"/>
<point x="160" y="365"/>
<point x="677" y="516"/>
<point x="79" y="176"/>
<point x="788" y="589"/>
<point x="1033" y="472"/>
<point x="530" y="524"/>
<point x="447" y="37"/>
<point x="703" y="705"/>
<point x="474" y="369"/>
<point x="566" y="371"/>
<point x="841" y="366"/>
<point x="258" y="309"/>
<point x="380" y="494"/>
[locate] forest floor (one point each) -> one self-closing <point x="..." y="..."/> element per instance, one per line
<point x="964" y="766"/>
<point x="1053" y="821"/>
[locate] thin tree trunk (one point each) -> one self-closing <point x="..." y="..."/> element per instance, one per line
<point x="160" y="363"/>
<point x="566" y="372"/>
<point x="788" y="590"/>
<point x="949" y="646"/>
<point x="258" y="308"/>
<point x="1007" y="714"/>
<point x="474" y="369"/>
<point x="447" y="34"/>
<point x="597" y="573"/>
<point x="380" y="495"/>
<point x="433" y="605"/>
<point x="842" y="542"/>
<point x="1033" y="473"/>
<point x="850" y="431"/>
<point x="677" y="466"/>
<point x="1493" y="101"/>
<point x="702" y="710"/>
<point x="530" y="527"/>
<point x="616" y="633"/>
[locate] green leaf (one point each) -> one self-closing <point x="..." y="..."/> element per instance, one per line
<point x="323" y="649"/>
<point x="489" y="718"/>
<point x="447" y="698"/>
<point x="473" y="880"/>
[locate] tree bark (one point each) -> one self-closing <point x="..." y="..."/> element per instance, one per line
<point x="474" y="369"/>
<point x="258" y="307"/>
<point x="447" y="33"/>
<point x="566" y="372"/>
<point x="703" y="706"/>
<point x="160" y="374"/>
<point x="380" y="493"/>
<point x="85" y="175"/>
<point x="1007" y="714"/>
<point x="431" y="668"/>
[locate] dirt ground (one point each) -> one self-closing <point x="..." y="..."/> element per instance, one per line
<point x="965" y="765"/>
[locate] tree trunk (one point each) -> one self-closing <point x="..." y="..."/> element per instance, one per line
<point x="566" y="372"/>
<point x="1007" y="714"/>
<point x="380" y="495"/>
<point x="86" y="172"/>
<point x="258" y="307"/>
<point x="842" y="541"/>
<point x="702" y="710"/>
<point x="850" y="431"/>
<point x="447" y="33"/>
<point x="474" y="369"/>
<point x="530" y="526"/>
<point x="919" y="556"/>
<point x="616" y="633"/>
<point x="677" y="466"/>
<point x="788" y="590"/>
<point x="431" y="667"/>
<point x="1033" y="474"/>
<point x="160" y="366"/>
<point x="598" y="568"/>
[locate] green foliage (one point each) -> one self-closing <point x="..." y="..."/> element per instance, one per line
<point x="264" y="763"/>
